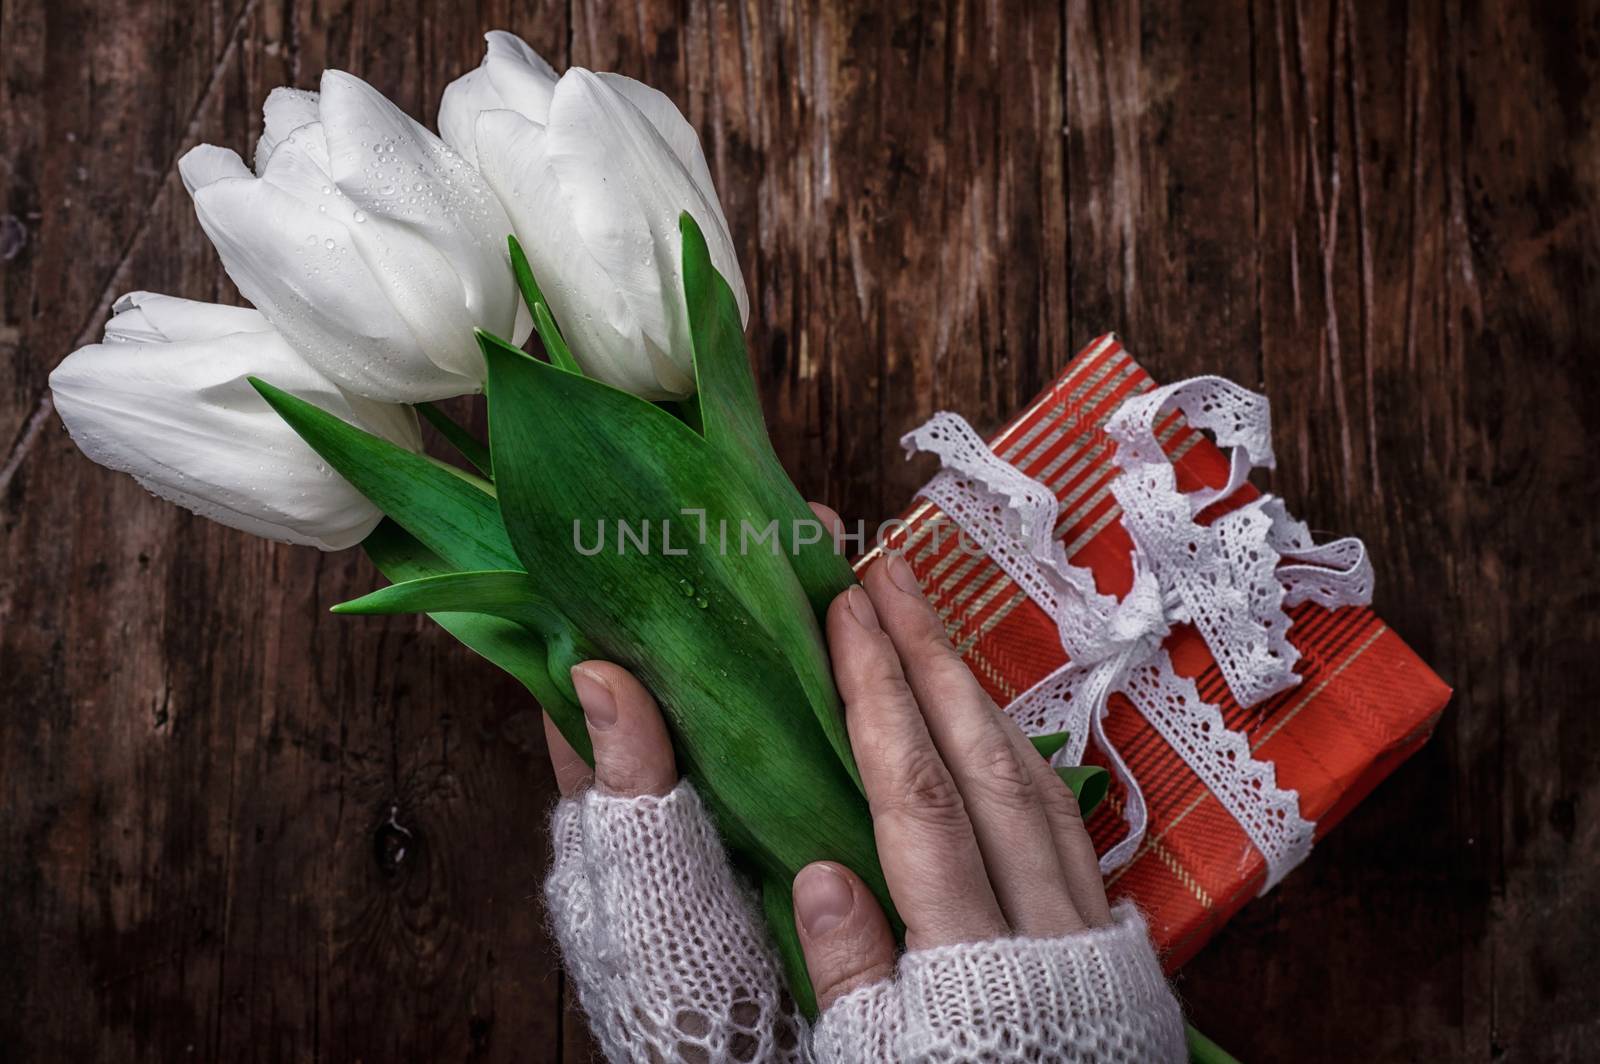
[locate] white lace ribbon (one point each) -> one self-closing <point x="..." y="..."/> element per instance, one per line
<point x="1231" y="579"/>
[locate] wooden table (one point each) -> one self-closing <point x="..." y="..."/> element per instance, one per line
<point x="237" y="827"/>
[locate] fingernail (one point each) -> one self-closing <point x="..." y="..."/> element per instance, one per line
<point x="822" y="898"/>
<point x="599" y="707"/>
<point x="861" y="609"/>
<point x="900" y="572"/>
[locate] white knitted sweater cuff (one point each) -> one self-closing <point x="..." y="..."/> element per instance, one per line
<point x="672" y="962"/>
<point x="666" y="947"/>
<point x="1096" y="995"/>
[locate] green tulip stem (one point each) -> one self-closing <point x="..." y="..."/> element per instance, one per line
<point x="1203" y="1050"/>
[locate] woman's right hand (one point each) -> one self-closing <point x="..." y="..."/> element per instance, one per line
<point x="978" y="837"/>
<point x="1012" y="953"/>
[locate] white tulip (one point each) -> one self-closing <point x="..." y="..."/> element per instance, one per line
<point x="594" y="170"/>
<point x="371" y="246"/>
<point x="512" y="77"/>
<point x="166" y="398"/>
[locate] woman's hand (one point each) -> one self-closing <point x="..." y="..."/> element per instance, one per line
<point x="667" y="950"/>
<point x="978" y="837"/>
<point x="1012" y="951"/>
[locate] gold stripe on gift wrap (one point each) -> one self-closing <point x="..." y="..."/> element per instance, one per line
<point x="1290" y="714"/>
<point x="1082" y="364"/>
<point x="1182" y="874"/>
<point x="1058" y="472"/>
<point x="1084" y="399"/>
<point x="1085" y="374"/>
<point x="1054" y="427"/>
<point x="1028" y="447"/>
<point x="1000" y="682"/>
<point x="1087" y="449"/>
<point x="1000" y="586"/>
<point x="918" y="537"/>
<point x="1172" y="861"/>
<point x="1300" y="702"/>
<point x="1087" y="363"/>
<point x="1091" y="450"/>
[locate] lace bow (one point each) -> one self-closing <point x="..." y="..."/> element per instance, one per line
<point x="1230" y="579"/>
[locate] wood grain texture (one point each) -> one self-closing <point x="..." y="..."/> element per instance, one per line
<point x="238" y="828"/>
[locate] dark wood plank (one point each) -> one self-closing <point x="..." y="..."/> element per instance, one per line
<point x="1161" y="210"/>
<point x="236" y="827"/>
<point x="894" y="176"/>
<point x="1426" y="269"/>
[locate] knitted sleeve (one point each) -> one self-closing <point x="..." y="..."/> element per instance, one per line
<point x="672" y="962"/>
<point x="1093" y="996"/>
<point x="665" y="946"/>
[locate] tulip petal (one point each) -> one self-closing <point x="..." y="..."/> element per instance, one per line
<point x="370" y="245"/>
<point x="620" y="183"/>
<point x="520" y="75"/>
<point x="594" y="316"/>
<point x="148" y="317"/>
<point x="627" y="187"/>
<point x="658" y="108"/>
<point x="463" y="100"/>
<point x="448" y="230"/>
<point x="185" y="422"/>
<point x="324" y="276"/>
<point x="512" y="77"/>
<point x="206" y="164"/>
<point x="300" y="267"/>
<point x="285" y="111"/>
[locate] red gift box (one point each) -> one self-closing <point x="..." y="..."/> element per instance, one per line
<point x="1365" y="702"/>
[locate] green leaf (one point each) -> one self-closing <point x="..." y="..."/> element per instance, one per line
<point x="777" y="905"/>
<point x="724" y="638"/>
<point x="554" y="344"/>
<point x="1049" y="745"/>
<point x="557" y="429"/>
<point x="730" y="409"/>
<point x="1088" y="784"/>
<point x="732" y="422"/>
<point x="510" y="645"/>
<point x="507" y="593"/>
<point x="1203" y="1050"/>
<point x="462" y="440"/>
<point x="440" y="507"/>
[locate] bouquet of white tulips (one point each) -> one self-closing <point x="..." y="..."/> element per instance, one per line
<point x="389" y="267"/>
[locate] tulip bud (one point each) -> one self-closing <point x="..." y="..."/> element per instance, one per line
<point x="372" y="247"/>
<point x="594" y="171"/>
<point x="512" y="77"/>
<point x="166" y="398"/>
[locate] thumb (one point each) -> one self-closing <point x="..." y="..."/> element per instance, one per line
<point x="843" y="932"/>
<point x="632" y="751"/>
